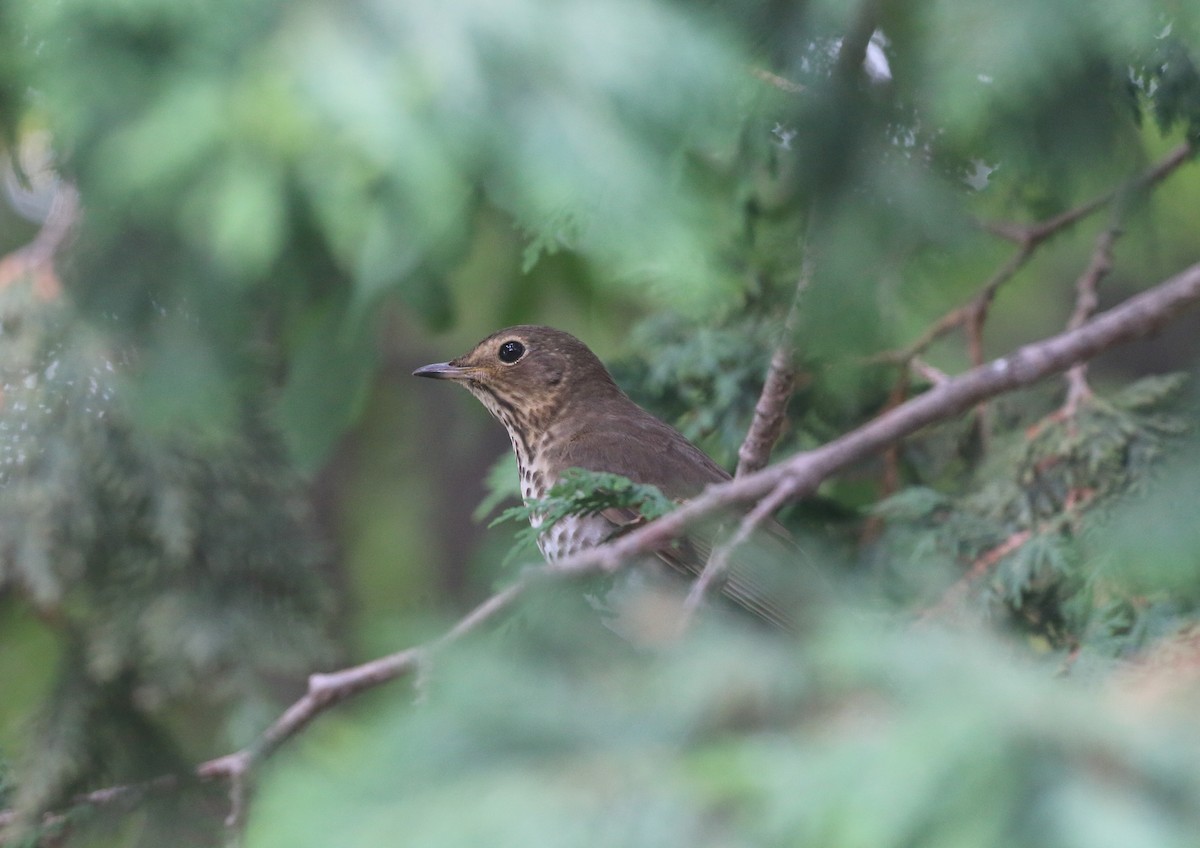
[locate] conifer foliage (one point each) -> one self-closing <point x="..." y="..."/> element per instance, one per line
<point x="229" y="230"/>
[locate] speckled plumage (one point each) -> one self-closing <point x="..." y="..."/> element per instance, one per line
<point x="562" y="409"/>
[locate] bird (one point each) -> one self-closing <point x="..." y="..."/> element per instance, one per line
<point x="562" y="409"/>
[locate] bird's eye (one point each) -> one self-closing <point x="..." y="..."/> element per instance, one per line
<point x="511" y="351"/>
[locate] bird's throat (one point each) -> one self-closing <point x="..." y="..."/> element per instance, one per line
<point x="526" y="438"/>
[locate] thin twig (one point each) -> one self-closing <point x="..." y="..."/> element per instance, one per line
<point x="777" y="81"/>
<point x="36" y="259"/>
<point x="960" y="315"/>
<point x="1028" y="239"/>
<point x="1035" y="234"/>
<point x="921" y="368"/>
<point x="794" y="477"/>
<point x="890" y="482"/>
<point x="718" y="563"/>
<point x="979" y="569"/>
<point x="771" y="408"/>
<point x="108" y="796"/>
<point x="1087" y="301"/>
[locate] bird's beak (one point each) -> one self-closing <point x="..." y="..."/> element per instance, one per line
<point x="443" y="371"/>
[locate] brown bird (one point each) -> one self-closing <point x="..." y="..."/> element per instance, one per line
<point x="563" y="410"/>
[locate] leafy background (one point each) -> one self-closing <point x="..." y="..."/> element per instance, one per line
<point x="216" y="473"/>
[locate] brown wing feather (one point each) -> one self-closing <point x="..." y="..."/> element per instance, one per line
<point x="688" y="557"/>
<point x="631" y="442"/>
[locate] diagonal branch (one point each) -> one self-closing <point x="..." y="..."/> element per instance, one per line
<point x="770" y="411"/>
<point x="1087" y="301"/>
<point x="794" y="477"/>
<point x="719" y="561"/>
<point x="973" y="311"/>
<point x="1035" y="234"/>
<point x="1028" y="239"/>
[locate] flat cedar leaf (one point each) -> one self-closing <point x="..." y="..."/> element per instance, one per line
<point x="1043" y="559"/>
<point x="502" y="483"/>
<point x="1149" y="391"/>
<point x="581" y="492"/>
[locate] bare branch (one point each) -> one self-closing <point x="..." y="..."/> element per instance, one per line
<point x="719" y="561"/>
<point x="1033" y="235"/>
<point x="777" y="81"/>
<point x="1087" y="301"/>
<point x="37" y="257"/>
<point x="769" y="415"/>
<point x="770" y="411"/>
<point x="970" y="311"/>
<point x="1028" y="239"/>
<point x="921" y="368"/>
<point x="129" y="794"/>
<point x="978" y="570"/>
<point x="1087" y="298"/>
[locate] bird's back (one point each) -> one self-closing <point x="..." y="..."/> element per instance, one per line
<point x="619" y="437"/>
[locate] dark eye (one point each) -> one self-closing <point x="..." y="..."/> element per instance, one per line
<point x="511" y="351"/>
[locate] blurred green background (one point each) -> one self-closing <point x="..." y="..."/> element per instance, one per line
<point x="217" y="475"/>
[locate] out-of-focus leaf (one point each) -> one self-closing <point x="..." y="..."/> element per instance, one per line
<point x="859" y="737"/>
<point x="328" y="382"/>
<point x="243" y="217"/>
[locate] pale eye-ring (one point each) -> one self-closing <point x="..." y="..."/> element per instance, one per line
<point x="511" y="351"/>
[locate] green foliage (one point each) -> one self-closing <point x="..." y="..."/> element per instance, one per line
<point x="1169" y="82"/>
<point x="701" y="377"/>
<point x="177" y="571"/>
<point x="503" y="483"/>
<point x="1021" y="522"/>
<point x="862" y="735"/>
<point x="281" y="200"/>
<point x="582" y="492"/>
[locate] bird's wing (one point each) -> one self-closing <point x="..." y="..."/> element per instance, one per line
<point x="744" y="585"/>
<point x="639" y="446"/>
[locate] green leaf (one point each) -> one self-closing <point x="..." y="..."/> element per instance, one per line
<point x="582" y="492"/>
<point x="328" y="383"/>
<point x="502" y="484"/>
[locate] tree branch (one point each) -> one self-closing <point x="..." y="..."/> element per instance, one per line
<point x="718" y="563"/>
<point x="979" y="569"/>
<point x="777" y="81"/>
<point x="1087" y="301"/>
<point x="794" y="477"/>
<point x="1028" y="239"/>
<point x="853" y="50"/>
<point x="37" y="257"/>
<point x="769" y="412"/>
<point x="1035" y="234"/>
<point x="972" y="310"/>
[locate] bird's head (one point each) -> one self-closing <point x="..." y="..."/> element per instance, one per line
<point x="525" y="374"/>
